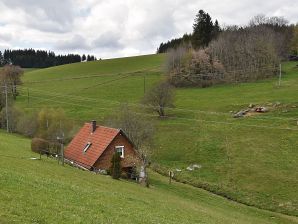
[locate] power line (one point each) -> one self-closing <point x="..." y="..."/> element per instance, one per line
<point x="133" y="73"/>
<point x="150" y="107"/>
<point x="209" y="121"/>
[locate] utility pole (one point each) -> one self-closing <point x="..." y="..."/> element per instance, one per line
<point x="279" y="81"/>
<point x="61" y="140"/>
<point x="62" y="150"/>
<point x="6" y="108"/>
<point x="28" y="99"/>
<point x="144" y="84"/>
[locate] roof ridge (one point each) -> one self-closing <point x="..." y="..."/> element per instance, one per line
<point x="118" y="129"/>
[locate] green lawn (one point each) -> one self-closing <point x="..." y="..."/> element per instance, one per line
<point x="252" y="160"/>
<point x="41" y="191"/>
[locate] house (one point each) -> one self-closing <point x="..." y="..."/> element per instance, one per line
<point x="93" y="147"/>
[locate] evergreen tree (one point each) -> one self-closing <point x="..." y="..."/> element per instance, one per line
<point x="88" y="57"/>
<point x="202" y="30"/>
<point x="1" y="59"/>
<point x="216" y="30"/>
<point x="116" y="166"/>
<point x="84" y="57"/>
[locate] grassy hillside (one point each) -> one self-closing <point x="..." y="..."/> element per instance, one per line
<point x="252" y="160"/>
<point x="41" y="191"/>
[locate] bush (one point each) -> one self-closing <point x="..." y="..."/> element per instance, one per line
<point x="116" y="166"/>
<point x="194" y="68"/>
<point x="13" y="115"/>
<point x="27" y="125"/>
<point x="39" y="145"/>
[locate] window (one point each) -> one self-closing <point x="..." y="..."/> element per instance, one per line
<point x="87" y="146"/>
<point x="120" y="150"/>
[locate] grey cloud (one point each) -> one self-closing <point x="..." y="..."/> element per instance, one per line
<point x="120" y="28"/>
<point x="108" y="40"/>
<point x="44" y="15"/>
<point x="77" y="42"/>
<point x="5" y="36"/>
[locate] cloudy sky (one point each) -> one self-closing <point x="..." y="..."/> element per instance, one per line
<point x="118" y="28"/>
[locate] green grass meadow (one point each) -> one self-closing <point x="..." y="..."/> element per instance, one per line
<point x="252" y="160"/>
<point x="41" y="191"/>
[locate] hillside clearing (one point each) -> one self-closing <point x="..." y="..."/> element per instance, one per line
<point x="252" y="160"/>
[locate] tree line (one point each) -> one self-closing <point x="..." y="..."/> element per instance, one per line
<point x="30" y="58"/>
<point x="214" y="54"/>
<point x="204" y="30"/>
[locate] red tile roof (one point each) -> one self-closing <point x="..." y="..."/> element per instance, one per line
<point x="100" y="139"/>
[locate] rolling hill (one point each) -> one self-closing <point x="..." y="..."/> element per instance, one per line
<point x="41" y="191"/>
<point x="252" y="160"/>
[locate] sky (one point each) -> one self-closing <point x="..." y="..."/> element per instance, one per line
<point x="109" y="29"/>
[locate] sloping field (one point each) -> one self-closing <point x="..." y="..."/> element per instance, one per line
<point x="252" y="160"/>
<point x="41" y="191"/>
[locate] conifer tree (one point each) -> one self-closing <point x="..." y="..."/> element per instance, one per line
<point x="202" y="30"/>
<point x="116" y="166"/>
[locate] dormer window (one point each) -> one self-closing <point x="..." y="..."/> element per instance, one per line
<point x="120" y="150"/>
<point x="87" y="146"/>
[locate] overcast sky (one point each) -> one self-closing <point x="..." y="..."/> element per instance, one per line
<point x="119" y="28"/>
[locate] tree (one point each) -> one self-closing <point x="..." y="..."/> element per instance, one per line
<point x="203" y="30"/>
<point x="159" y="98"/>
<point x="248" y="53"/>
<point x="12" y="117"/>
<point x="184" y="41"/>
<point x="294" y="41"/>
<point x="1" y="59"/>
<point x="27" y="124"/>
<point x="139" y="130"/>
<point x="195" y="68"/>
<point x="116" y="166"/>
<point x="10" y="76"/>
<point x="84" y="57"/>
<point x="53" y="123"/>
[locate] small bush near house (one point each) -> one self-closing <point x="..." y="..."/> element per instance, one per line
<point x="116" y="166"/>
<point x="39" y="145"/>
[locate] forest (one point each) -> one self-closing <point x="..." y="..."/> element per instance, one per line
<point x="30" y="58"/>
<point x="232" y="54"/>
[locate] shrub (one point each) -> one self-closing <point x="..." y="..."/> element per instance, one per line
<point x="39" y="145"/>
<point x="27" y="125"/>
<point x="116" y="166"/>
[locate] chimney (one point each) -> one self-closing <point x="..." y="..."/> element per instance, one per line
<point x="93" y="126"/>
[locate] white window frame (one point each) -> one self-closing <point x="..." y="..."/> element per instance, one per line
<point x="122" y="150"/>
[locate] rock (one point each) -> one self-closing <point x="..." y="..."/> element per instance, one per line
<point x="251" y="105"/>
<point x="195" y="166"/>
<point x="189" y="168"/>
<point x="178" y="170"/>
<point x="103" y="172"/>
<point x="240" y="114"/>
<point x="261" y="109"/>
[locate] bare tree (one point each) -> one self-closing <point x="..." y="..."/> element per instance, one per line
<point x="11" y="77"/>
<point x="160" y="97"/>
<point x="140" y="131"/>
<point x="294" y="41"/>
